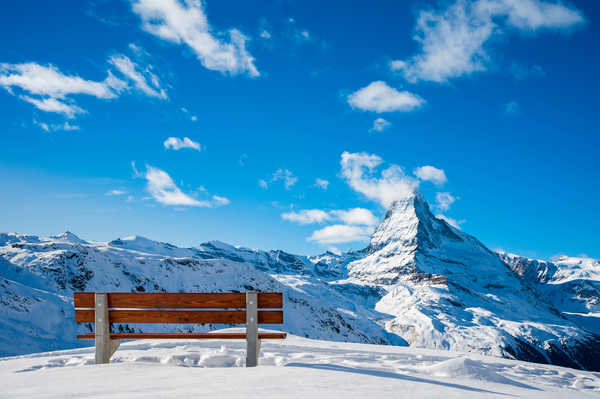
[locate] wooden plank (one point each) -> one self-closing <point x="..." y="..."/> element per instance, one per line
<point x="270" y="300"/>
<point x="186" y="336"/>
<point x="176" y="300"/>
<point x="181" y="316"/>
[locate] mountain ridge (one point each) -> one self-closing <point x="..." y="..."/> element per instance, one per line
<point x="419" y="282"/>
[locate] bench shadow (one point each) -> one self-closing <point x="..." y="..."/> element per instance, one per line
<point x="387" y="374"/>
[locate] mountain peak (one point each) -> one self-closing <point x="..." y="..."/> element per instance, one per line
<point x="401" y="222"/>
<point x="68" y="237"/>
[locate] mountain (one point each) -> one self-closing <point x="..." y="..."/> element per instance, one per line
<point x="571" y="284"/>
<point x="420" y="282"/>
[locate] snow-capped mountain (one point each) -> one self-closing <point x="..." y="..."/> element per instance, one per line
<point x="571" y="284"/>
<point x="420" y="282"/>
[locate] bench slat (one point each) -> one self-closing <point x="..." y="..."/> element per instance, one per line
<point x="186" y="336"/>
<point x="181" y="316"/>
<point x="175" y="300"/>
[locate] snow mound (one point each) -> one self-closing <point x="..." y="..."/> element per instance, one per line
<point x="295" y="368"/>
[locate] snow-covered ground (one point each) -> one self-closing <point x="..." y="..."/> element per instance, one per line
<point x="293" y="368"/>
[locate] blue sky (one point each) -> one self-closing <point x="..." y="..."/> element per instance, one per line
<point x="489" y="106"/>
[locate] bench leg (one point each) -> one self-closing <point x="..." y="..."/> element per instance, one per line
<point x="105" y="347"/>
<point x="252" y="341"/>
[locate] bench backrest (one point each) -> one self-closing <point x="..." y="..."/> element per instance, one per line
<point x="129" y="307"/>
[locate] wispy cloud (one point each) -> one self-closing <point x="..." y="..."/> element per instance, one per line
<point x="186" y="23"/>
<point x="452" y="222"/>
<point x="444" y="201"/>
<point x="66" y="126"/>
<point x="359" y="216"/>
<point x="431" y="173"/>
<point x="144" y="80"/>
<point x="175" y="143"/>
<point x="115" y="192"/>
<point x="379" y="97"/>
<point x="50" y="90"/>
<point x="307" y="216"/>
<point x="341" y="233"/>
<point x="163" y="190"/>
<point x="285" y="175"/>
<point x="379" y="125"/>
<point x="321" y="183"/>
<point x="453" y="40"/>
<point x="47" y="80"/>
<point x="354" y="216"/>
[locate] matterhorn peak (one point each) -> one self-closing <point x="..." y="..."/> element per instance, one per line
<point x="402" y="220"/>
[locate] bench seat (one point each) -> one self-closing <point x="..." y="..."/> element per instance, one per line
<point x="226" y="335"/>
<point x="106" y="308"/>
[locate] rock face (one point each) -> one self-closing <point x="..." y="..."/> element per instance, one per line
<point x="420" y="282"/>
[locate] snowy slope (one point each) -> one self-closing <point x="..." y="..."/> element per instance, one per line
<point x="294" y="368"/>
<point x="571" y="284"/>
<point x="420" y="282"/>
<point x="39" y="275"/>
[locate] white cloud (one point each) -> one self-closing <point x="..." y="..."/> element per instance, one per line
<point x="379" y="125"/>
<point x="50" y="90"/>
<point x="341" y="233"/>
<point x="265" y="35"/>
<point x="307" y="216"/>
<point x="452" y="222"/>
<point x="357" y="216"/>
<point x="354" y="216"/>
<point x="444" y="201"/>
<point x="432" y="174"/>
<point x="303" y="35"/>
<point x="66" y="126"/>
<point x="218" y="200"/>
<point x="53" y="105"/>
<point x="453" y="40"/>
<point x="176" y="144"/>
<point x="379" y="97"/>
<point x="358" y="171"/>
<point x="321" y="183"/>
<point x="162" y="188"/>
<point x="132" y="71"/>
<point x="48" y="81"/>
<point x="186" y="23"/>
<point x="280" y="174"/>
<point x="117" y="192"/>
<point x="42" y="125"/>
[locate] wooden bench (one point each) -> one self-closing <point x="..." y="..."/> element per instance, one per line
<point x="102" y="309"/>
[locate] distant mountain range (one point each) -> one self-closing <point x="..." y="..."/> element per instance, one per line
<point x="420" y="282"/>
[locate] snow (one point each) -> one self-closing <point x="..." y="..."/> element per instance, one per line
<point x="293" y="368"/>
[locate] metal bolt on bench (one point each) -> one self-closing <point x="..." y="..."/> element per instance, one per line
<point x="102" y="309"/>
